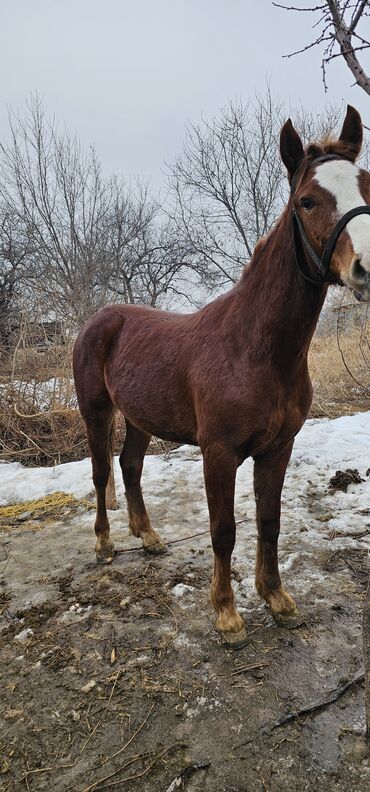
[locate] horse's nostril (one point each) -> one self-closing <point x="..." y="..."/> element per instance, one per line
<point x="358" y="272"/>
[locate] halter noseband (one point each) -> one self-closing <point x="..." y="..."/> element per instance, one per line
<point x="299" y="235"/>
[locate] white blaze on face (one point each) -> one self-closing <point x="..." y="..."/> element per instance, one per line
<point x="340" y="178"/>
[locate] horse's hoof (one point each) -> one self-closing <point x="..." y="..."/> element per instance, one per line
<point x="157" y="548"/>
<point x="152" y="543"/>
<point x="112" y="505"/>
<point x="289" y="620"/>
<point x="104" y="559"/>
<point x="105" y="553"/>
<point x="234" y="640"/>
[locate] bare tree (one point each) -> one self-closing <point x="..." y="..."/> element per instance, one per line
<point x="15" y="247"/>
<point x="57" y="193"/>
<point x="341" y="26"/>
<point x="229" y="185"/>
<point x="165" y="266"/>
<point x="90" y="239"/>
<point x="145" y="261"/>
<point x="130" y="213"/>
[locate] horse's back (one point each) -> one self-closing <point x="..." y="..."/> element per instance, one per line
<point x="116" y="325"/>
<point x="138" y="357"/>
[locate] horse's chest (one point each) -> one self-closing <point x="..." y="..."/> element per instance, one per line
<point x="275" y="426"/>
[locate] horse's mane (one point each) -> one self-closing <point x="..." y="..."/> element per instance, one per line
<point x="330" y="145"/>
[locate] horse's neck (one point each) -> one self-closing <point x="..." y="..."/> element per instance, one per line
<point x="279" y="309"/>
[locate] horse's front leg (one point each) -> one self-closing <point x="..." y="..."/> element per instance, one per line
<point x="269" y="474"/>
<point x="220" y="466"/>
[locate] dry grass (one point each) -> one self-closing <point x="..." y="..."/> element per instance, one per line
<point x="38" y="513"/>
<point x="43" y="439"/>
<point x="50" y="437"/>
<point x="341" y="387"/>
<point x="40" y="423"/>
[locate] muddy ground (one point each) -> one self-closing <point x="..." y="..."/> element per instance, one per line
<point x="114" y="677"/>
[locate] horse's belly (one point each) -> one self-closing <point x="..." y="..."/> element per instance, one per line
<point x="157" y="408"/>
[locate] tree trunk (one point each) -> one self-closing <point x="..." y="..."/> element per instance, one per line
<point x="344" y="39"/>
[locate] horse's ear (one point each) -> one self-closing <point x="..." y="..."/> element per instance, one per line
<point x="352" y="132"/>
<point x="291" y="148"/>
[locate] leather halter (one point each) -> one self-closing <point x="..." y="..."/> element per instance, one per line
<point x="299" y="235"/>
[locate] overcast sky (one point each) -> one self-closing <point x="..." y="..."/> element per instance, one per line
<point x="128" y="74"/>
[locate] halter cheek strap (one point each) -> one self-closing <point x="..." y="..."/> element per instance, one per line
<point x="299" y="235"/>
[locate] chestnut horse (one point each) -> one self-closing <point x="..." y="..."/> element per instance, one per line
<point x="231" y="378"/>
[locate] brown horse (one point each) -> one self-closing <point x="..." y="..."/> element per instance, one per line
<point x="231" y="378"/>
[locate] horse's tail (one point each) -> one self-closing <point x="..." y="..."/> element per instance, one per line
<point x="93" y="344"/>
<point x="91" y="352"/>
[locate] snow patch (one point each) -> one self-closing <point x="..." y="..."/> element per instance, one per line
<point x="182" y="642"/>
<point x="73" y="611"/>
<point x="23" y="635"/>
<point x="182" y="589"/>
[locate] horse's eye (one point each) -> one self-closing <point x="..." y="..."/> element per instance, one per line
<point x="306" y="203"/>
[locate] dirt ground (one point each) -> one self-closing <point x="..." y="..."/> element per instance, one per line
<point x="113" y="676"/>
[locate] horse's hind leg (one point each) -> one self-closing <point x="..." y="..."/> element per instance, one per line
<point x="110" y="492"/>
<point x="220" y="465"/>
<point x="99" y="435"/>
<point x="131" y="461"/>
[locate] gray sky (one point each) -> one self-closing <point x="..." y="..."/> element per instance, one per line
<point x="128" y="74"/>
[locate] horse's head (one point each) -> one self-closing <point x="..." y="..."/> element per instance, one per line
<point x="326" y="186"/>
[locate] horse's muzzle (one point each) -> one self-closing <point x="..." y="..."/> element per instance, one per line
<point x="359" y="280"/>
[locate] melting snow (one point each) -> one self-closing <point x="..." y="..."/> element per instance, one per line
<point x="22" y="636"/>
<point x="310" y="511"/>
<point x="182" y="589"/>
